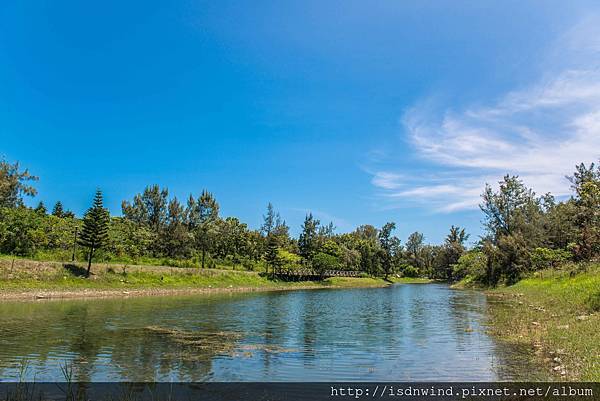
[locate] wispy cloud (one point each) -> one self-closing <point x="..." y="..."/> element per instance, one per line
<point x="387" y="180"/>
<point x="538" y="132"/>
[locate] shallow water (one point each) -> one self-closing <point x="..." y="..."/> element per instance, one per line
<point x="403" y="332"/>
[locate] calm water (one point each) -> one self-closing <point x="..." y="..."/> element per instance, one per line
<point x="403" y="332"/>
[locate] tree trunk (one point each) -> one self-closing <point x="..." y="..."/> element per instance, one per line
<point x="74" y="245"/>
<point x="488" y="272"/>
<point x="90" y="261"/>
<point x="203" y="252"/>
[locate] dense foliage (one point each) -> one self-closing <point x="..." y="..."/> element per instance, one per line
<point x="524" y="232"/>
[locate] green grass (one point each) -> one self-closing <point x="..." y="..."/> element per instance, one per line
<point x="27" y="275"/>
<point x="556" y="313"/>
<point x="138" y="280"/>
<point x="65" y="255"/>
<point x="410" y="280"/>
<point x="354" y="282"/>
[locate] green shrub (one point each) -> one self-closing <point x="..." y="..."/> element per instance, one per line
<point x="21" y="231"/>
<point x="323" y="261"/>
<point x="407" y="270"/>
<point x="60" y="255"/>
<point x="544" y="258"/>
<point x="471" y="266"/>
<point x="248" y="263"/>
<point x="288" y="260"/>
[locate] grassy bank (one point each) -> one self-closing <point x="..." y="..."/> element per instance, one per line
<point x="27" y="279"/>
<point x="411" y="280"/>
<point x="558" y="314"/>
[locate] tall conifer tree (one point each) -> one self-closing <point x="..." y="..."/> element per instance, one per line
<point x="94" y="234"/>
<point x="40" y="208"/>
<point x="202" y="216"/>
<point x="272" y="253"/>
<point x="58" y="210"/>
<point x="308" y="240"/>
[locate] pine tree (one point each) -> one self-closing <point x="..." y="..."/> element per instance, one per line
<point x="58" y="209"/>
<point x="95" y="228"/>
<point x="13" y="184"/>
<point x="174" y="237"/>
<point x="68" y="215"/>
<point x="452" y="250"/>
<point x="281" y="231"/>
<point x="414" y="249"/>
<point x="389" y="248"/>
<point x="40" y="208"/>
<point x="275" y="225"/>
<point x="586" y="184"/>
<point x="268" y="221"/>
<point x="272" y="253"/>
<point x="457" y="236"/>
<point x="308" y="240"/>
<point x="202" y="216"/>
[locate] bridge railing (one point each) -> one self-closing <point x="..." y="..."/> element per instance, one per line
<point x="314" y="273"/>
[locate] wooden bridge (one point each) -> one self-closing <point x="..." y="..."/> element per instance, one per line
<point x="311" y="274"/>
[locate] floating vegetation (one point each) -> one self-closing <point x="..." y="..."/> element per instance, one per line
<point x="212" y="340"/>
<point x="192" y="345"/>
<point x="198" y="344"/>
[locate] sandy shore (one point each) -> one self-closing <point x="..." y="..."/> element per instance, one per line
<point x="39" y="294"/>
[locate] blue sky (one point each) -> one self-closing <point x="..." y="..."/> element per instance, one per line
<point x="362" y="112"/>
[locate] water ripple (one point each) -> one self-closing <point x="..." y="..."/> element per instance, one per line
<point x="404" y="332"/>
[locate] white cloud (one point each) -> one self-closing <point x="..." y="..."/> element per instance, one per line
<point x="386" y="180"/>
<point x="539" y="132"/>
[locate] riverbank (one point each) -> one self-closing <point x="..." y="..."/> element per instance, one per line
<point x="27" y="279"/>
<point x="557" y="314"/>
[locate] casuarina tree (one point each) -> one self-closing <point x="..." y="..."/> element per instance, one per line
<point x="58" y="210"/>
<point x="13" y="184"/>
<point x="308" y="240"/>
<point x="272" y="253"/>
<point x="94" y="233"/>
<point x="40" y="208"/>
<point x="202" y="217"/>
<point x="390" y="248"/>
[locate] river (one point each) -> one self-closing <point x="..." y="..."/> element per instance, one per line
<point x="405" y="332"/>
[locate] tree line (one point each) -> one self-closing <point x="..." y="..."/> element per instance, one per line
<point x="524" y="232"/>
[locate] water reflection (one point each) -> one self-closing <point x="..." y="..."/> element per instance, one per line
<point x="403" y="332"/>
